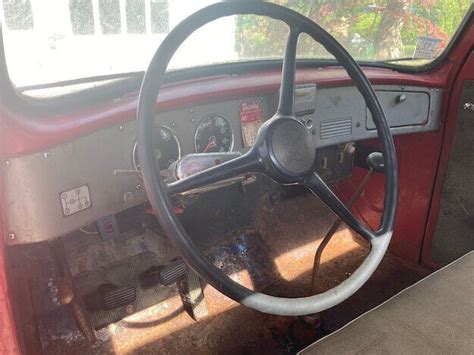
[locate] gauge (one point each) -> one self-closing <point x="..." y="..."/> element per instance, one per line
<point x="214" y="134"/>
<point x="166" y="148"/>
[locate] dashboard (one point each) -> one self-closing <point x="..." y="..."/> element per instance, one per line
<point x="75" y="183"/>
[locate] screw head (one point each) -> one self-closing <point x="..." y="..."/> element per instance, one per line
<point x="7" y="163"/>
<point x="120" y="128"/>
<point x="12" y="236"/>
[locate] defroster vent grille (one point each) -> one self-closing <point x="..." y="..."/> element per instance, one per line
<point x="335" y="128"/>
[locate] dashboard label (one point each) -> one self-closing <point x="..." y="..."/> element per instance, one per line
<point x="75" y="200"/>
<point x="250" y="120"/>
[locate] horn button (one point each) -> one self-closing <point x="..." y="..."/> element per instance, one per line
<point x="293" y="150"/>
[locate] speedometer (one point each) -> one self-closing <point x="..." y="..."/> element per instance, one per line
<point x="214" y="134"/>
<point x="165" y="146"/>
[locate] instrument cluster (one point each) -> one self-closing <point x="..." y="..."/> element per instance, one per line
<point x="213" y="134"/>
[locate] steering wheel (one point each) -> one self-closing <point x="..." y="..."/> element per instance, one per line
<point x="284" y="150"/>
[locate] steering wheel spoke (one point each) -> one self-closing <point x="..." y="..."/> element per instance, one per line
<point x="247" y="163"/>
<point x="285" y="104"/>
<point x="318" y="187"/>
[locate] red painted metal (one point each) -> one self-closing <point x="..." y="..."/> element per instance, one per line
<point x="466" y="73"/>
<point x="30" y="134"/>
<point x="418" y="160"/>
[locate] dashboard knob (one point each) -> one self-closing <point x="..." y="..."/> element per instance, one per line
<point x="375" y="162"/>
<point x="400" y="98"/>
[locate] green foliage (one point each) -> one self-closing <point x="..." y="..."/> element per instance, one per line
<point x="360" y="25"/>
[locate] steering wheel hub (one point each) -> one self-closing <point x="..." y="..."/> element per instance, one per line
<point x="292" y="147"/>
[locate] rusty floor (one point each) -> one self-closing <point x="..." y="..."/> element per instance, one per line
<point x="277" y="259"/>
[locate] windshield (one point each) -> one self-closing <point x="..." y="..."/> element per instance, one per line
<point x="58" y="40"/>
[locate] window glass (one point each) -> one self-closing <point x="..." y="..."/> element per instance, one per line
<point x="54" y="40"/>
<point x="82" y="17"/>
<point x="109" y="14"/>
<point x="135" y="10"/>
<point x="18" y="14"/>
<point x="159" y="16"/>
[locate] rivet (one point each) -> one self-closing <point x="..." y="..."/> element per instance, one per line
<point x="12" y="236"/>
<point x="121" y="128"/>
<point x="7" y="163"/>
<point x="46" y="155"/>
<point x="55" y="299"/>
<point x="191" y="110"/>
<point x="173" y="124"/>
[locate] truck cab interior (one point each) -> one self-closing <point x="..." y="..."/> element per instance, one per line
<point x="236" y="176"/>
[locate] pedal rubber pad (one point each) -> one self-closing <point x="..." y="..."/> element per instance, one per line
<point x="118" y="297"/>
<point x="172" y="273"/>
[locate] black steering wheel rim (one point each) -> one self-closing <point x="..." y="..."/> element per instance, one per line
<point x="159" y="193"/>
